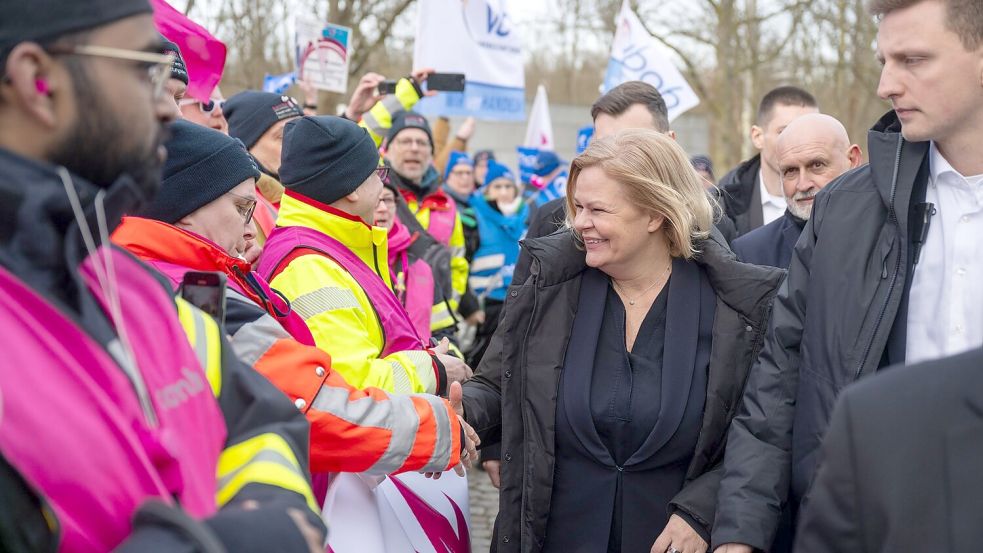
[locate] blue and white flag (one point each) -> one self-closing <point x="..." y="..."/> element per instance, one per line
<point x="477" y="38"/>
<point x="637" y="56"/>
<point x="584" y="135"/>
<point x="527" y="163"/>
<point x="278" y="84"/>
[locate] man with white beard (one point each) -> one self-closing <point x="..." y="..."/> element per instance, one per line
<point x="812" y="151"/>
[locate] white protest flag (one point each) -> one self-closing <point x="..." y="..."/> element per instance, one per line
<point x="637" y="56"/>
<point x="539" y="132"/>
<point x="479" y="39"/>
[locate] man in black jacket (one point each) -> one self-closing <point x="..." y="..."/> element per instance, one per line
<point x="812" y="151"/>
<point x="752" y="192"/>
<point x="875" y="279"/>
<point x="911" y="439"/>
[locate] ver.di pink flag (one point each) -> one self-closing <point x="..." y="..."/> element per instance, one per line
<point x="203" y="53"/>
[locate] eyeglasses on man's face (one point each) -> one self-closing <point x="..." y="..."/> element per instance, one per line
<point x="408" y="141"/>
<point x="157" y="66"/>
<point x="383" y="174"/>
<point x="245" y="205"/>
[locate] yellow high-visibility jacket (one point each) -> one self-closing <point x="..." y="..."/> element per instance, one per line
<point x="337" y="310"/>
<point x="442" y="315"/>
<point x="379" y="119"/>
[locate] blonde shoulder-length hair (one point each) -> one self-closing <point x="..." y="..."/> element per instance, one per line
<point x="657" y="176"/>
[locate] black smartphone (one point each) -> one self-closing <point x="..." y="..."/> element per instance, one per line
<point x="206" y="291"/>
<point x="446" y="82"/>
<point x="387" y="87"/>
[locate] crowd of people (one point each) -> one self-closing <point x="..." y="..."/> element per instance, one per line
<point x="215" y="308"/>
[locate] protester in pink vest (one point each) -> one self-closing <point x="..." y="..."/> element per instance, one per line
<point x="413" y="279"/>
<point x="125" y="421"/>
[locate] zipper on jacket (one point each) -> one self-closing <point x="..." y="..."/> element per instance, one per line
<point x="382" y="327"/>
<point x="897" y="265"/>
<point x="522" y="399"/>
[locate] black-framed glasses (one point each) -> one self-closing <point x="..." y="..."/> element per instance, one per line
<point x="383" y="173"/>
<point x="158" y="66"/>
<point x="245" y="205"/>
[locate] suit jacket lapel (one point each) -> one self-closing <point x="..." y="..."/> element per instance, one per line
<point x="578" y="368"/>
<point x="679" y="356"/>
<point x="790" y="235"/>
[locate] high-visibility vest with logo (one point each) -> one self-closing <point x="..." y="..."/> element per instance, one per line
<point x="98" y="436"/>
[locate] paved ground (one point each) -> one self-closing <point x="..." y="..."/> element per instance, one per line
<point x="484" y="507"/>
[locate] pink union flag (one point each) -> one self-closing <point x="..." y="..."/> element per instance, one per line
<point x="203" y="53"/>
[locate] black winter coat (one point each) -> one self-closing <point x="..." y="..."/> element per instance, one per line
<point x="514" y="393"/>
<point x="741" y="196"/>
<point x="840" y="316"/>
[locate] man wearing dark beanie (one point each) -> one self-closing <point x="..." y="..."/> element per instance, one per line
<point x="333" y="265"/>
<point x="164" y="444"/>
<point x="257" y="119"/>
<point x="409" y="153"/>
<point x="199" y="222"/>
<point x="177" y="84"/>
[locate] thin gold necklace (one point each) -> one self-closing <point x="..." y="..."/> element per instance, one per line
<point x="632" y="301"/>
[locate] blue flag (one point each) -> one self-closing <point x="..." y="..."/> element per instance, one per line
<point x="278" y="84"/>
<point x="584" y="134"/>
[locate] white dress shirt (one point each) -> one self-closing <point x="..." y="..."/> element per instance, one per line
<point x="945" y="306"/>
<point x="772" y="207"/>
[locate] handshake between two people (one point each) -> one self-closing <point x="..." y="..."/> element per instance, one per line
<point x="458" y="372"/>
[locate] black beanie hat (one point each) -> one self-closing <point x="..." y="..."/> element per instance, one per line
<point x="409" y="120"/>
<point x="325" y="158"/>
<point x="251" y="113"/>
<point x="179" y="70"/>
<point x="202" y="164"/>
<point x="45" y="20"/>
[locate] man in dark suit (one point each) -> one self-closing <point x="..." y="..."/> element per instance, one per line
<point x="812" y="151"/>
<point x="901" y="464"/>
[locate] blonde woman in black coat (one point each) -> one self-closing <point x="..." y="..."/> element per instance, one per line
<point x="619" y="362"/>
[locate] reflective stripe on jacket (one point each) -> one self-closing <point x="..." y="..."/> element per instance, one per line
<point x="438" y="211"/>
<point x="494" y="262"/>
<point x="351" y="430"/>
<point x="337" y="309"/>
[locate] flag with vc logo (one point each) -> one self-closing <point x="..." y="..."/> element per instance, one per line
<point x="637" y="56"/>
<point x="477" y="38"/>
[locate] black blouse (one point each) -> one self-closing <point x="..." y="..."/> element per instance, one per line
<point x="626" y="385"/>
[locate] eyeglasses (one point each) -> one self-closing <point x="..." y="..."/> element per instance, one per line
<point x="383" y="173"/>
<point x="158" y="66"/>
<point x="205" y="107"/>
<point x="408" y="141"/>
<point x="246" y="208"/>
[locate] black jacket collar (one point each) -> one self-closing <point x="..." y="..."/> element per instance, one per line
<point x="745" y="288"/>
<point x="894" y="163"/>
<point x="40" y="241"/>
